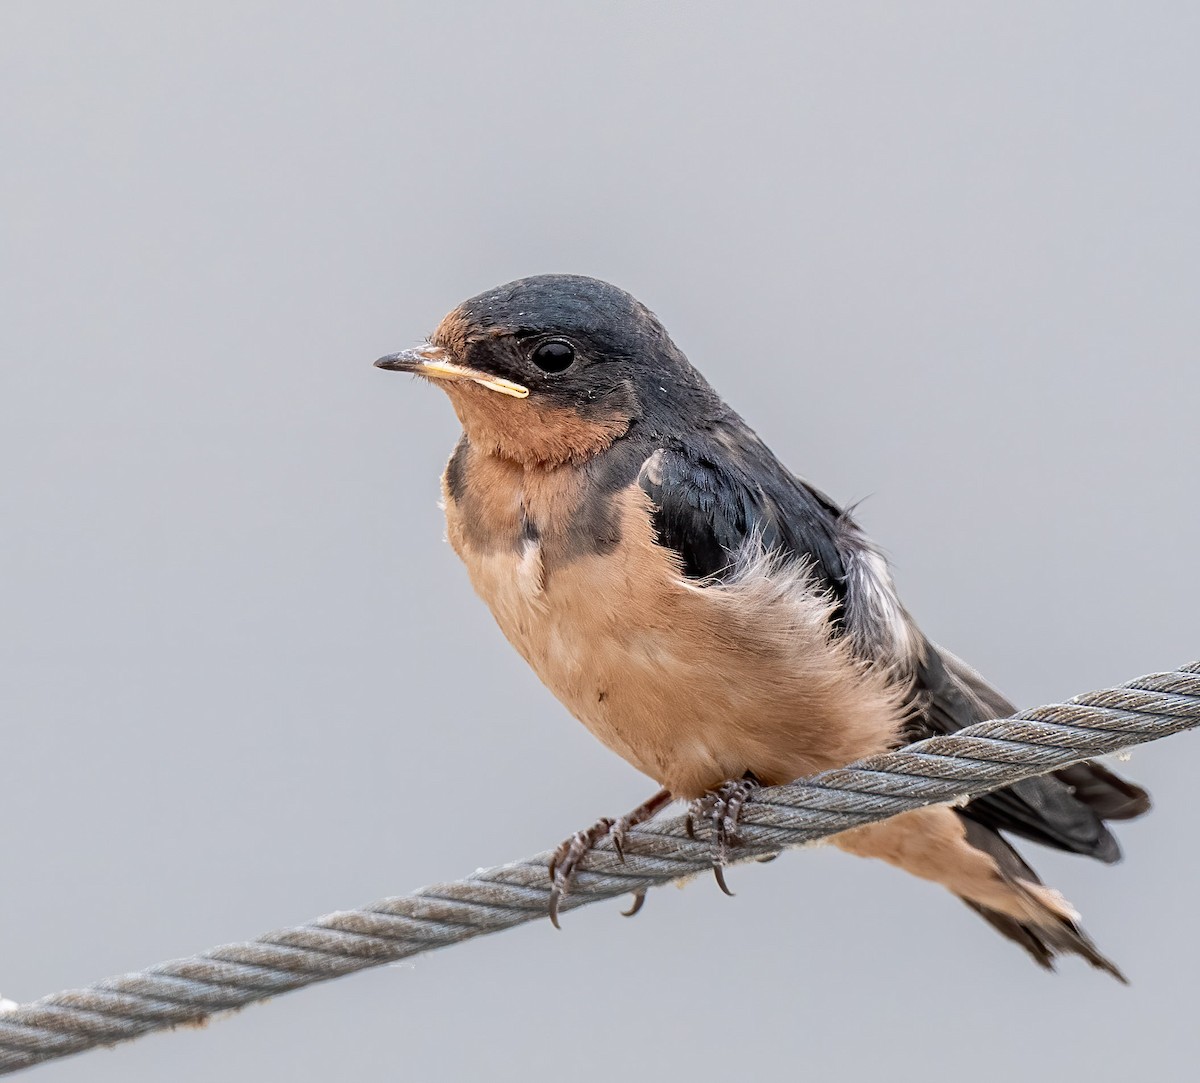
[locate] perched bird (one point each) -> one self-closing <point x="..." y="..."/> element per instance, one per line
<point x="707" y="614"/>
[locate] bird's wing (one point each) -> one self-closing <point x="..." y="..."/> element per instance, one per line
<point x="710" y="503"/>
<point x="713" y="499"/>
<point x="726" y="498"/>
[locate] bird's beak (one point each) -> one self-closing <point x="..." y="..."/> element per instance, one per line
<point x="433" y="362"/>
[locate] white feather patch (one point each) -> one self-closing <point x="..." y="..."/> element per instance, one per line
<point x="877" y="622"/>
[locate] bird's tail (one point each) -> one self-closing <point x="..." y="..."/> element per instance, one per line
<point x="951" y="848"/>
<point x="1051" y="925"/>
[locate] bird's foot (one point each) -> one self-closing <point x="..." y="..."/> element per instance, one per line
<point x="570" y="853"/>
<point x="722" y="807"/>
<point x="565" y="862"/>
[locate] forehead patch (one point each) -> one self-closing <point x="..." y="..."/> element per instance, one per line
<point x="452" y="332"/>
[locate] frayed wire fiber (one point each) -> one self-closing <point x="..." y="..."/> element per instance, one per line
<point x="939" y="770"/>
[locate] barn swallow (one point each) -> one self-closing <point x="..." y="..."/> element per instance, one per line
<point x="707" y="614"/>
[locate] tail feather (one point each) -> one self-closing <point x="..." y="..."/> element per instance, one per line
<point x="1108" y="795"/>
<point x="1052" y="926"/>
<point x="1067" y="809"/>
<point x="1045" y="942"/>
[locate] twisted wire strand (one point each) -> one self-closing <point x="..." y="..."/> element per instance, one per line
<point x="973" y="761"/>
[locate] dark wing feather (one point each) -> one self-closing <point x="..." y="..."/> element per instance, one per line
<point x="1111" y="797"/>
<point x="1066" y="809"/>
<point x="709" y="502"/>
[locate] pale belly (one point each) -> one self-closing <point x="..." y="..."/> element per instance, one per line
<point x="692" y="685"/>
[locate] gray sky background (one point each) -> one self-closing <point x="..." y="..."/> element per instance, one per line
<point x="943" y="256"/>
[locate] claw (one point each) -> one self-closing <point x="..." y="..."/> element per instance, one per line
<point x="723" y="806"/>
<point x="556" y="894"/>
<point x="719" y="876"/>
<point x="639" y="900"/>
<point x="617" y="834"/>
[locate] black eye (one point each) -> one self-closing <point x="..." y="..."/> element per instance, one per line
<point x="553" y="356"/>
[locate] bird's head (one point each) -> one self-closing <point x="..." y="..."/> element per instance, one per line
<point x="551" y="369"/>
